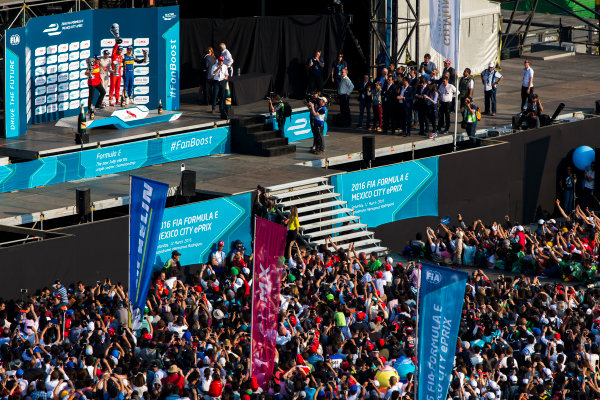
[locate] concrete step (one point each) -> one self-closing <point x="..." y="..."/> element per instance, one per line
<point x="349" y="236"/>
<point x="329" y="213"/>
<point x="292" y="192"/>
<point x="338" y="229"/>
<point x="291" y="185"/>
<point x="330" y="222"/>
<point x="321" y="206"/>
<point x="310" y="199"/>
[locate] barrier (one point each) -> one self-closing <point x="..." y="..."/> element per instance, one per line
<point x="46" y="61"/>
<point x="392" y="193"/>
<point x="194" y="229"/>
<point x="297" y="127"/>
<point x="124" y="157"/>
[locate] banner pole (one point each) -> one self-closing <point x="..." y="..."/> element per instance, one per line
<point x="129" y="258"/>
<point x="457" y="71"/>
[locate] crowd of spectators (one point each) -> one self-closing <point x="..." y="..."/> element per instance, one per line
<point x="346" y="329"/>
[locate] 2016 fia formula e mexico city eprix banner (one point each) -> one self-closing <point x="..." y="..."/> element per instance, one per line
<point x="387" y="194"/>
<point x="47" y="59"/>
<point x="195" y="229"/>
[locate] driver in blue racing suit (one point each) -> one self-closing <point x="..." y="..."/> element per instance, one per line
<point x="128" y="64"/>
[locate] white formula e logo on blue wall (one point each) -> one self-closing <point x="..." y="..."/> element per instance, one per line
<point x="52" y="30"/>
<point x="300" y="127"/>
<point x="169" y="16"/>
<point x="15" y="40"/>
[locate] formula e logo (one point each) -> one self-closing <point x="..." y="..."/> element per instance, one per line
<point x="52" y="30"/>
<point x="433" y="277"/>
<point x="299" y="127"/>
<point x="15" y="40"/>
<point x="169" y="16"/>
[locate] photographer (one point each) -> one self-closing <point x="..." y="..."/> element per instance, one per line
<point x="317" y="113"/>
<point x="469" y="111"/>
<point x="315" y="66"/>
<point x="533" y="109"/>
<point x="276" y="106"/>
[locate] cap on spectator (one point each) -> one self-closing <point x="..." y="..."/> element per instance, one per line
<point x="381" y="343"/>
<point x="64" y="395"/>
<point x="447" y="62"/>
<point x="536" y="331"/>
<point x="129" y="47"/>
<point x="221" y="243"/>
<point x="490" y="395"/>
<point x="360" y="315"/>
<point x="379" y="275"/>
<point x="253" y="383"/>
<point x="115" y="353"/>
<point x="97" y="56"/>
<point x="388" y="267"/>
<point x="551" y="221"/>
<point x="105" y="52"/>
<point x="299" y="359"/>
<point x="89" y="350"/>
<point x="520" y="228"/>
<point x="234" y="271"/>
<point x="20" y="372"/>
<point x="345" y="366"/>
<point x="246" y="271"/>
<point x="175" y="253"/>
<point x="318" y="320"/>
<point x="491" y="65"/>
<point x="302" y="394"/>
<point x="513" y="379"/>
<point x="541" y="222"/>
<point x="330" y="297"/>
<point x="378" y="319"/>
<point x="218" y="314"/>
<point x="370" y="346"/>
<point x="221" y="58"/>
<point x="173" y="369"/>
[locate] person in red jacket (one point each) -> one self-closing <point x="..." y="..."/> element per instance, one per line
<point x="175" y="377"/>
<point x="95" y="83"/>
<point x="115" y="73"/>
<point x="215" y="389"/>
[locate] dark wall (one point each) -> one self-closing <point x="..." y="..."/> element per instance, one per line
<point x="275" y="45"/>
<point x="92" y="252"/>
<point x="516" y="177"/>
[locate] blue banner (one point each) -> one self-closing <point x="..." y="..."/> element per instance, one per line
<point x="297" y="126"/>
<point x="51" y="52"/>
<point x="146" y="207"/>
<point x="441" y="295"/>
<point x="120" y="158"/>
<point x="195" y="229"/>
<point x="387" y="194"/>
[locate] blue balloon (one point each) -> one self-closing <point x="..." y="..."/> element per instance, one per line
<point x="583" y="157"/>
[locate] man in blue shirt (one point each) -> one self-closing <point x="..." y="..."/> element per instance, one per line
<point x="315" y="66"/>
<point x="427" y="66"/>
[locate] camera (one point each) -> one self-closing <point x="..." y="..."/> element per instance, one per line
<point x="311" y="98"/>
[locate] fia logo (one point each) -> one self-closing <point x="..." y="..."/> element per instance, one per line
<point x="433" y="277"/>
<point x="169" y="16"/>
<point x="52" y="30"/>
<point x="15" y="39"/>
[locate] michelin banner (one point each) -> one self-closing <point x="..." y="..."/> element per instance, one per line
<point x="195" y="229"/>
<point x="147" y="204"/>
<point x="46" y="61"/>
<point x="441" y="295"/>
<point x="392" y="193"/>
<point x="125" y="157"/>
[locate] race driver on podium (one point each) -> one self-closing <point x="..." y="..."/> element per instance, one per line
<point x="128" y="62"/>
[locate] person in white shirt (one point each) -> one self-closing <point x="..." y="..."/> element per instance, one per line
<point x="344" y="90"/>
<point x="447" y="92"/>
<point x="527" y="84"/>
<point x="220" y="74"/>
<point x="490" y="79"/>
<point x="589" y="177"/>
<point x="227" y="58"/>
<point x="218" y="257"/>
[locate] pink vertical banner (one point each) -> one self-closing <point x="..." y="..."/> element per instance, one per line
<point x="269" y="245"/>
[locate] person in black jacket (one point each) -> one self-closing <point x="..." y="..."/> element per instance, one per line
<point x="421" y="105"/>
<point x="365" y="99"/>
<point x="388" y="98"/>
<point x="406" y="98"/>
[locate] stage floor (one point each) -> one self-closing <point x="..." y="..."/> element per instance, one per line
<point x="235" y="173"/>
<point x="46" y="139"/>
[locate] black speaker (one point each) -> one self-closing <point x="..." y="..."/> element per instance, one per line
<point x="82" y="139"/>
<point x="597" y="106"/>
<point x="188" y="183"/>
<point x="83" y="201"/>
<point x="368" y="148"/>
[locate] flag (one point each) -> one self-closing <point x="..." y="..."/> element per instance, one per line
<point x="147" y="200"/>
<point x="444" y="22"/>
<point x="269" y="245"/>
<point x="441" y="295"/>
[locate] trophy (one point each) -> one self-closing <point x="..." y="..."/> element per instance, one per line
<point x="114" y="29"/>
<point x="145" y="55"/>
<point x="90" y="63"/>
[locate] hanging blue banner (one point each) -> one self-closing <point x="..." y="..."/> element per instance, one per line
<point x="441" y="295"/>
<point x="147" y="204"/>
<point x="391" y="193"/>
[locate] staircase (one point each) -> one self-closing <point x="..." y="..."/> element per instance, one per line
<point x="322" y="214"/>
<point x="256" y="137"/>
